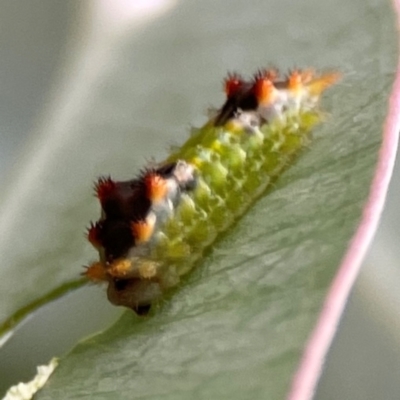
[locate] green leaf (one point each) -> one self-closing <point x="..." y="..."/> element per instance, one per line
<point x="236" y="328"/>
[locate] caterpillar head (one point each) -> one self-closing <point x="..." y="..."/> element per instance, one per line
<point x="137" y="294"/>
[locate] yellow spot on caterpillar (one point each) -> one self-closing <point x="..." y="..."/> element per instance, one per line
<point x="234" y="126"/>
<point x="216" y="145"/>
<point x="197" y="162"/>
<point x="120" y="268"/>
<point x="147" y="269"/>
<point x="96" y="272"/>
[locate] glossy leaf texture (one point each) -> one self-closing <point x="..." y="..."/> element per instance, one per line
<point x="236" y="328"/>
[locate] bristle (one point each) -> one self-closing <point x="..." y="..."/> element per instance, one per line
<point x="96" y="272"/>
<point x="104" y="188"/>
<point x="232" y="83"/>
<point x="156" y="186"/>
<point x="271" y="74"/>
<point x="295" y="81"/>
<point x="166" y="170"/>
<point x="259" y="74"/>
<point x="307" y="75"/>
<point x="94" y="234"/>
<point x="143" y="230"/>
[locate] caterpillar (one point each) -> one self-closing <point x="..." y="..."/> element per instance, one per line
<point x="154" y="228"/>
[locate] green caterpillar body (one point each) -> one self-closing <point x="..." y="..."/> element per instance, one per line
<point x="154" y="228"/>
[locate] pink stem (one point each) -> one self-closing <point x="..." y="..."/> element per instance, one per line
<point x="309" y="371"/>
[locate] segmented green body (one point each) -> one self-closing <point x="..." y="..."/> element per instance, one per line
<point x="234" y="167"/>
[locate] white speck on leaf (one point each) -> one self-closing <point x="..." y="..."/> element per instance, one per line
<point x="25" y="391"/>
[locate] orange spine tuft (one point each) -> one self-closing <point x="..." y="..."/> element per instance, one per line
<point x="156" y="186"/>
<point x="295" y="81"/>
<point x="264" y="89"/>
<point x="96" y="272"/>
<point x="143" y="230"/>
